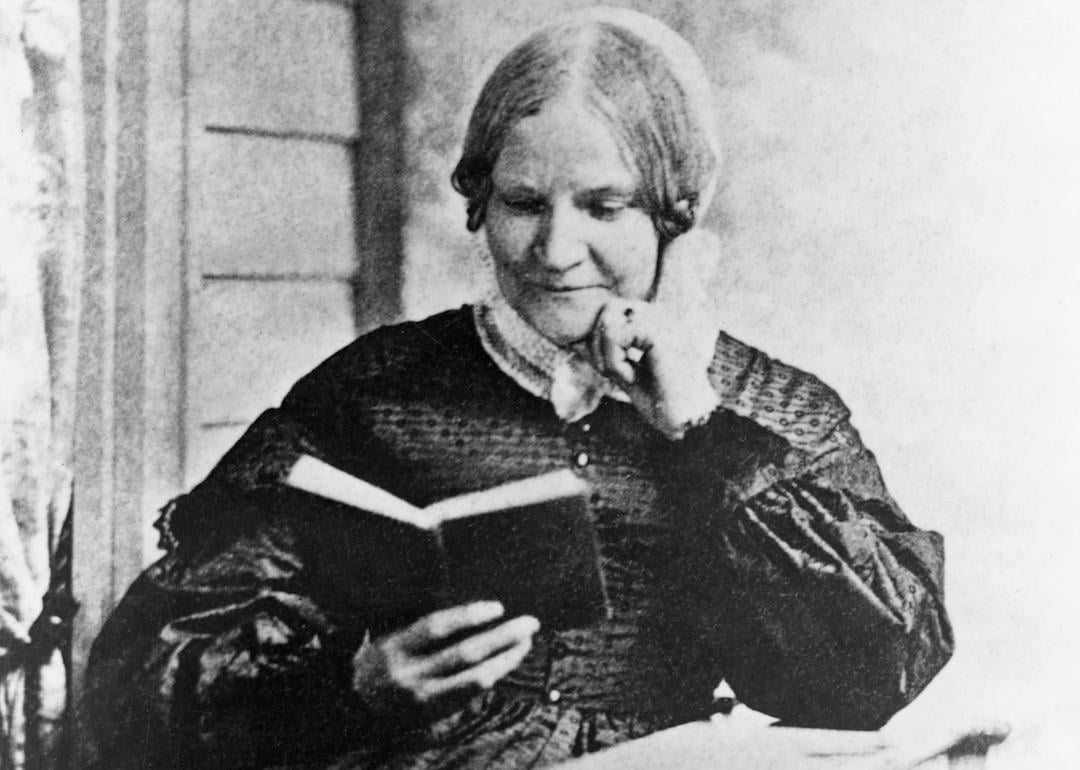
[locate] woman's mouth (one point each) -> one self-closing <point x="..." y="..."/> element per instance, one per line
<point x="551" y="288"/>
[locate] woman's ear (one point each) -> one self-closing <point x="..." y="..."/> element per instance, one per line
<point x="677" y="219"/>
<point x="686" y="213"/>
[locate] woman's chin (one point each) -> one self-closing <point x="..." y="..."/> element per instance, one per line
<point x="564" y="326"/>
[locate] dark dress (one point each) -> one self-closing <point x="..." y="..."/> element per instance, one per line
<point x="762" y="548"/>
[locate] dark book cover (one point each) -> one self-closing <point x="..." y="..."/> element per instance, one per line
<point x="529" y="544"/>
<point x="538" y="559"/>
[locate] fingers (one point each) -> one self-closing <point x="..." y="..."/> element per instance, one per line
<point x="433" y="629"/>
<point x="480" y="677"/>
<point x="410" y="669"/>
<point x="474" y="651"/>
<point x="620" y="340"/>
<point x="614" y="356"/>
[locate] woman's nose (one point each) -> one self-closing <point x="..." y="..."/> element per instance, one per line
<point x="560" y="243"/>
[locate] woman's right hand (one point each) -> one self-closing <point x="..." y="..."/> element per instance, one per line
<point x="442" y="660"/>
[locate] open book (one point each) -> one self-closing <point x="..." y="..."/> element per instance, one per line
<point x="529" y="543"/>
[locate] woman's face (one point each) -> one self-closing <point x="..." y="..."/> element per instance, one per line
<point x="564" y="223"/>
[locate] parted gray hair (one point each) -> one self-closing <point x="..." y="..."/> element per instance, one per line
<point x="630" y="84"/>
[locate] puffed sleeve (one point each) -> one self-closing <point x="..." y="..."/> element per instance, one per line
<point x="235" y="649"/>
<point x="824" y="604"/>
<point x="198" y="676"/>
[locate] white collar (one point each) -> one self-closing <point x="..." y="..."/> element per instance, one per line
<point x="562" y="377"/>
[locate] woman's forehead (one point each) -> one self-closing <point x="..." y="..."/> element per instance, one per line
<point x="565" y="144"/>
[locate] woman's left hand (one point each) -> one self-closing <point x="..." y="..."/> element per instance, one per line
<point x="659" y="352"/>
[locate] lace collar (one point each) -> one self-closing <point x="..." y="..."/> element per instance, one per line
<point x="541" y="367"/>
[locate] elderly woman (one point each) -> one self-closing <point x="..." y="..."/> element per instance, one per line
<point x="744" y="530"/>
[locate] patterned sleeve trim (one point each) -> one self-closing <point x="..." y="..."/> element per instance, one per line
<point x="780" y="398"/>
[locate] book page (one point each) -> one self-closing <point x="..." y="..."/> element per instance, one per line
<point x="314" y="476"/>
<point x="515" y="494"/>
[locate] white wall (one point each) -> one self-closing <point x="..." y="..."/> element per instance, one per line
<point x="898" y="214"/>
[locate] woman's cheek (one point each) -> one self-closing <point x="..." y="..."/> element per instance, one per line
<point x="631" y="259"/>
<point x="509" y="241"/>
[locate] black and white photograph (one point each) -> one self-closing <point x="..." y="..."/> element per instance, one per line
<point x="439" y="385"/>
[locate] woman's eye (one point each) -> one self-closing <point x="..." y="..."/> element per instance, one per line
<point x="524" y="205"/>
<point x="607" y="210"/>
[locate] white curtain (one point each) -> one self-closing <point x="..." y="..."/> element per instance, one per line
<point x="41" y="183"/>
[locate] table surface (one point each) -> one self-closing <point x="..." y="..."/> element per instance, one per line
<point x="747" y="740"/>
